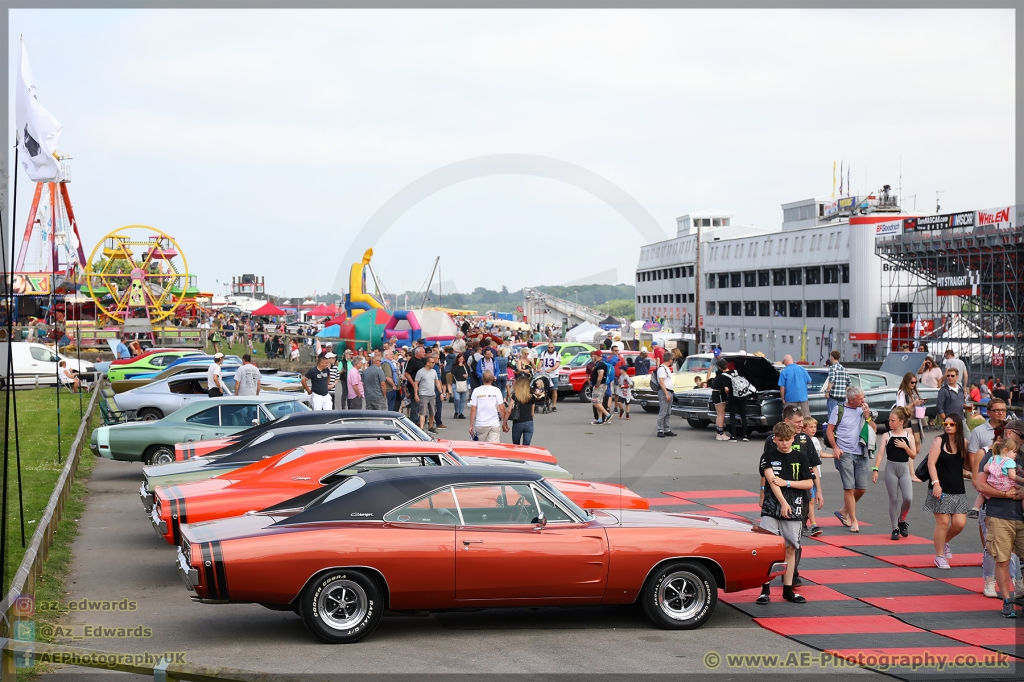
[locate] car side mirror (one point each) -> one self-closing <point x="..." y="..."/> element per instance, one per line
<point x="255" y="422"/>
<point x="541" y="521"/>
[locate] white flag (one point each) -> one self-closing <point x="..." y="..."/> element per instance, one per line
<point x="38" y="130"/>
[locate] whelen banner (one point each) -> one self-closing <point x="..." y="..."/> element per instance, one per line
<point x="999" y="217"/>
<point x="957" y="283"/>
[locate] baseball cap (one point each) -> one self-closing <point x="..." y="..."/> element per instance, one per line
<point x="218" y="356"/>
<point x="330" y="355"/>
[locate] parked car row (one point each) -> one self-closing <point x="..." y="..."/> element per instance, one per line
<point x="338" y="516"/>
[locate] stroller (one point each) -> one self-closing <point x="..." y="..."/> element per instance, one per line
<point x="540" y="384"/>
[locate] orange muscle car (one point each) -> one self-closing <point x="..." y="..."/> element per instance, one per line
<point x="305" y="469"/>
<point x="435" y="538"/>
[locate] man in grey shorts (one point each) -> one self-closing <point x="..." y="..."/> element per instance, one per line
<point x="852" y="460"/>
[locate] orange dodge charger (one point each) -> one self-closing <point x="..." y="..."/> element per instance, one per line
<point x="445" y="537"/>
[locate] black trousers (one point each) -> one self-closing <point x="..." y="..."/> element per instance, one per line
<point x="737" y="407"/>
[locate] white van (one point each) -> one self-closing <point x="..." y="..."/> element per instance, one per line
<point x="36" y="364"/>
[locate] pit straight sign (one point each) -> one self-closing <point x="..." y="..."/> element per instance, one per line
<point x="957" y="283"/>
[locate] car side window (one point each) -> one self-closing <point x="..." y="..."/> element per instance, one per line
<point x="383" y="462"/>
<point x="855" y="380"/>
<point x="437" y="509"/>
<point x="497" y="505"/>
<point x="869" y="381"/>
<point x="817" y="382"/>
<point x="238" y="415"/>
<point x="286" y="407"/>
<point x="552" y="513"/>
<point x="265" y="416"/>
<point x="42" y="355"/>
<point x="208" y="417"/>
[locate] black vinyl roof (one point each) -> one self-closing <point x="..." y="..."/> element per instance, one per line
<point x="305" y="419"/>
<point x="385" y="489"/>
<point x="288" y="437"/>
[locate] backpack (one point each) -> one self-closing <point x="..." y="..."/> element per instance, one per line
<point x="741" y="388"/>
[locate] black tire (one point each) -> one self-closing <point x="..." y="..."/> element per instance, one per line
<point x="159" y="454"/>
<point x="587" y="393"/>
<point x="653" y="409"/>
<point x="699" y="423"/>
<point x="351" y="593"/>
<point x="680" y="595"/>
<point x="150" y="414"/>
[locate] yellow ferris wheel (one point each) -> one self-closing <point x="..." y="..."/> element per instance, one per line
<point x="137" y="271"/>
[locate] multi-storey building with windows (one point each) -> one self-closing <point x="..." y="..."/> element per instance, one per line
<point x="799" y="289"/>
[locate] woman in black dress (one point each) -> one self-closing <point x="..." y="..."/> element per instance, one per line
<point x="948" y="499"/>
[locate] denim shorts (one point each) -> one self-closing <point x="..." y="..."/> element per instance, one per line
<point x="854" y="470"/>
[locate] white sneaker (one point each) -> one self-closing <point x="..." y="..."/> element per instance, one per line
<point x="990" y="588"/>
<point x="722" y="436"/>
<point x="1018" y="589"/>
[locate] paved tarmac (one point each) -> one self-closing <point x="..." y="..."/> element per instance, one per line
<point x="118" y="556"/>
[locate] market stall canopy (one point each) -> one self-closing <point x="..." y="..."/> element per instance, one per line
<point x="268" y="310"/>
<point x="582" y="333"/>
<point x="337" y="320"/>
<point x="323" y="310"/>
<point x="330" y="332"/>
<point x="637" y="324"/>
<point x="610" y="323"/>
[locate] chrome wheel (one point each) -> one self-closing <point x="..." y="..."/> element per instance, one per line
<point x="681" y="595"/>
<point x="162" y="455"/>
<point x="342" y="605"/>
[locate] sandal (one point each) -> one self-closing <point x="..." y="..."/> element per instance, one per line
<point x="842" y="519"/>
<point x="854" y="529"/>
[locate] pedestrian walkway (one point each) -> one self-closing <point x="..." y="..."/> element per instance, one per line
<point x="878" y="602"/>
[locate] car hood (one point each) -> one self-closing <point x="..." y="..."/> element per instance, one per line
<point x="901" y="363"/>
<point x="761" y="374"/>
<point x="647" y="518"/>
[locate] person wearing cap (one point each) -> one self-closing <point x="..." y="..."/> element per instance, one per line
<point x="214" y="385"/>
<point x="642" y="365"/>
<point x="316" y="382"/>
<point x="658" y="352"/>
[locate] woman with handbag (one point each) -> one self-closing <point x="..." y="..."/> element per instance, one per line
<point x="460" y="385"/>
<point x="519" y="408"/>
<point x="908" y="396"/>
<point x="947" y="500"/>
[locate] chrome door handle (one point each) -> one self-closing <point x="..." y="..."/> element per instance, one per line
<point x="467" y="543"/>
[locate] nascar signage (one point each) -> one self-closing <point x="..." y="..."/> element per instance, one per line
<point x="957" y="283"/>
<point x="941" y="222"/>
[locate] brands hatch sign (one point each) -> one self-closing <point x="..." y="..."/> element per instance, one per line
<point x="957" y="283"/>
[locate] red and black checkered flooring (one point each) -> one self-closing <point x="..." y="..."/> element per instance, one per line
<point x="875" y="600"/>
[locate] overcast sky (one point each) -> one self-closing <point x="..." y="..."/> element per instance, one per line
<point x="263" y="140"/>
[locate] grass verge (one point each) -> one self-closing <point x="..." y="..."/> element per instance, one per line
<point x="37" y="427"/>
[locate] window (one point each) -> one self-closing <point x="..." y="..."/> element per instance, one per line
<point x="723" y="281"/>
<point x="764" y="309"/>
<point x="42" y="354"/>
<point x="679" y="298"/>
<point x="711" y="281"/>
<point x="760" y="338"/>
<point x="795" y="276"/>
<point x="779" y="308"/>
<point x="779" y="278"/>
<point x="690" y="271"/>
<point x="846" y="274"/>
<point x="817" y="382"/>
<point x="831" y="274"/>
<point x="763" y="278"/>
<point x="750" y="308"/>
<point x="790" y="215"/>
<point x="796" y="308"/>
<point x="723" y="307"/>
<point x="734" y="280"/>
<point x="869" y="381"/>
<point x="736" y="308"/>
<point x="286" y="407"/>
<point x="552" y="513"/>
<point x="846" y="308"/>
<point x="812" y="275"/>
<point x="750" y="279"/>
<point x="711" y="307"/>
<point x="498" y="505"/>
<point x="233" y="414"/>
<point x="691" y="298"/>
<point x="438" y="509"/>
<point x="831" y="308"/>
<point x="679" y="273"/>
<point x="813" y="308"/>
<point x="206" y="417"/>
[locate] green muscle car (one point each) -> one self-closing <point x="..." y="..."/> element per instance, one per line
<point x="153" y="442"/>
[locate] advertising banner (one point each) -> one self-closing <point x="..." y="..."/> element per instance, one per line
<point x="31" y="284"/>
<point x="889" y="228"/>
<point x="846" y="204"/>
<point x="941" y="222"/>
<point x="1000" y="217"/>
<point x="957" y="283"/>
<point x="831" y="208"/>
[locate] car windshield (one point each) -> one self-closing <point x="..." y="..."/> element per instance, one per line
<point x="694" y="364"/>
<point x="580" y="360"/>
<point x="286" y="407"/>
<point x="565" y="501"/>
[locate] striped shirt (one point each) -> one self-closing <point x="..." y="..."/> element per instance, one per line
<point x="333" y="376"/>
<point x="838" y="379"/>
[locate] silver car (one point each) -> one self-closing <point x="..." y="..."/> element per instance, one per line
<point x="158" y="399"/>
<point x="764" y="410"/>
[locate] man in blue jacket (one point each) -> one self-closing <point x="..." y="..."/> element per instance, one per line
<point x="793" y="382"/>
